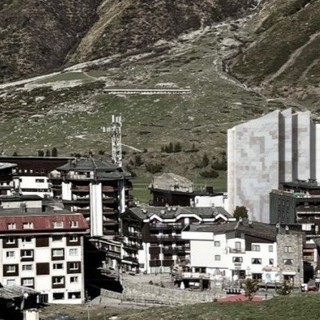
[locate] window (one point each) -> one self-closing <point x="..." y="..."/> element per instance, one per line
<point x="26" y="253"/>
<point x="27" y="267"/>
<point x="57" y="280"/>
<point x="287" y="249"/>
<point x="73" y="238"/>
<point x="73" y="265"/>
<point x="57" y="252"/>
<point x="217" y="243"/>
<point x="238" y="245"/>
<point x="73" y="252"/>
<point x="58" y="224"/>
<point x="217" y="257"/>
<point x="257" y="276"/>
<point x="74" y="295"/>
<point x="26" y="239"/>
<point x="58" y="296"/>
<point x="255" y="247"/>
<point x="57" y="238"/>
<point x="11" y="226"/>
<point x="27" y="225"/>
<point x="74" y="224"/>
<point x="27" y="282"/>
<point x="237" y="259"/>
<point x="74" y="279"/>
<point x="306" y="227"/>
<point x="57" y="266"/>
<point x="11" y="269"/>
<point x="256" y="261"/>
<point x="11" y="282"/>
<point x="10" y="240"/>
<point x="10" y="254"/>
<point x="271" y="262"/>
<point x="40" y="180"/>
<point x="270" y="248"/>
<point x="288" y="262"/>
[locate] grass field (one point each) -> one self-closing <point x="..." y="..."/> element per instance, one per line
<point x="294" y="307"/>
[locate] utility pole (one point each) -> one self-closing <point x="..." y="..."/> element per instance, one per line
<point x="116" y="145"/>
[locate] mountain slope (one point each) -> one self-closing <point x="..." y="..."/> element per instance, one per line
<point x="284" y="56"/>
<point x="36" y="36"/>
<point x="135" y="25"/>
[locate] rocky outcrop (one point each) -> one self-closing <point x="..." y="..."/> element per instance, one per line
<point x="37" y="35"/>
<point x="283" y="58"/>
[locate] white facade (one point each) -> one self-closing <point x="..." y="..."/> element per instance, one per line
<point x="224" y="256"/>
<point x="54" y="269"/>
<point x="33" y="185"/>
<point x="277" y="147"/>
<point x="210" y="201"/>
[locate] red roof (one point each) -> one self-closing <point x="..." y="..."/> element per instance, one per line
<point x="71" y="222"/>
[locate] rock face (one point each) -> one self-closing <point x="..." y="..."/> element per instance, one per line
<point x="39" y="36"/>
<point x="284" y="55"/>
<point x="127" y="24"/>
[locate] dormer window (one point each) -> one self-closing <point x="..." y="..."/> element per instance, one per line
<point x="74" y="224"/>
<point x="12" y="226"/>
<point x="58" y="224"/>
<point x="27" y="225"/>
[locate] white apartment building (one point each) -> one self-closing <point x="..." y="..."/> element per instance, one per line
<point x="239" y="250"/>
<point x="33" y="185"/>
<point x="278" y="147"/>
<point x="43" y="251"/>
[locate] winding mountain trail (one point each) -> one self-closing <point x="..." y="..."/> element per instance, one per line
<point x="291" y="61"/>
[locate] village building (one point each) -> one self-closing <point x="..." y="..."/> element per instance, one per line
<point x="42" y="249"/>
<point x="30" y="174"/>
<point x="99" y="190"/>
<point x="175" y="190"/>
<point x="6" y="176"/>
<point x="224" y="254"/>
<point x="151" y="236"/>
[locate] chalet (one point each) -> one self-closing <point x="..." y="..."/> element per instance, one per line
<point x="151" y="236"/>
<point x="234" y="251"/>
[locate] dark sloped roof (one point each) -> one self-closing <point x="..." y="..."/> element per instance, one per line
<point x="104" y="170"/>
<point x="88" y="164"/>
<point x="253" y="228"/>
<point x="173" y="212"/>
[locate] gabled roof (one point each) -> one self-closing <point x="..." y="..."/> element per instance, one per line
<point x="104" y="170"/>
<point x="174" y="212"/>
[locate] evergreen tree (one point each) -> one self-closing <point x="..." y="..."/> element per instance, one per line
<point x="54" y="152"/>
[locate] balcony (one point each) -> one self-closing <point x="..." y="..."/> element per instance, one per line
<point x="165" y="226"/>
<point x="132" y="247"/>
<point x="109" y="189"/>
<point x="237" y="250"/>
<point x="134" y="235"/>
<point x="175" y="250"/>
<point x="161" y="263"/>
<point x="80" y="189"/>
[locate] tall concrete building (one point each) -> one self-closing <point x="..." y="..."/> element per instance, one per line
<point x="277" y="147"/>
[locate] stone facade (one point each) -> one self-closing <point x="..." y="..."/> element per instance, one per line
<point x="290" y="258"/>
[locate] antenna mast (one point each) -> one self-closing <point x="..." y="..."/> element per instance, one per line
<point x="115" y="130"/>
